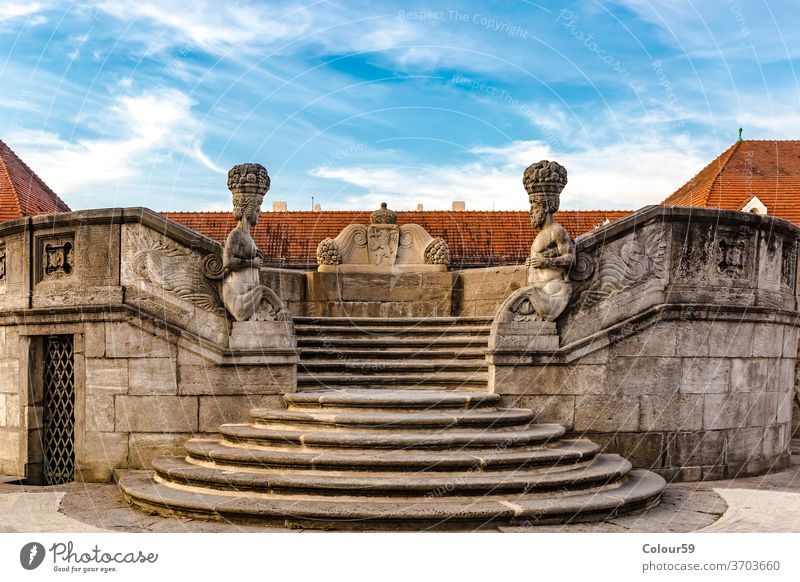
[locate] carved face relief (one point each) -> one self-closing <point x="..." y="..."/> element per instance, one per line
<point x="732" y="257"/>
<point x="538" y="214"/>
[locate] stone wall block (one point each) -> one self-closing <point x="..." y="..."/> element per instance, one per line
<point x="238" y="380"/>
<point x="106" y="376"/>
<point x="100" y="413"/>
<point x="145" y="447"/>
<point x="748" y="375"/>
<point x="705" y="376"/>
<point x="152" y="376"/>
<point x="723" y="411"/>
<point x="217" y="410"/>
<point x="125" y="341"/>
<point x="768" y="340"/>
<point x="744" y="445"/>
<point x="657" y="340"/>
<point x="13" y="412"/>
<point x="94" y="335"/>
<point x="156" y="414"/>
<point x="699" y="448"/>
<point x="549" y="408"/>
<point x="2" y="410"/>
<point x="603" y="414"/>
<point x="631" y="376"/>
<point x="672" y="412"/>
<point x="102" y="452"/>
<point x="9" y="376"/>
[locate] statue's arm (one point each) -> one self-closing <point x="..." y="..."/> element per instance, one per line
<point x="559" y="257"/>
<point x="231" y="261"/>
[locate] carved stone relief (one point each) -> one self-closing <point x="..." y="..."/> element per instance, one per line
<point x="171" y="268"/>
<point x="732" y="257"/>
<point x="56" y="257"/>
<point x="789" y="263"/>
<point x="636" y="262"/>
<point x="2" y="266"/>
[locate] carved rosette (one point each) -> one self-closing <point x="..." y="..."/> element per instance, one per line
<point x="437" y="253"/>
<point x="328" y="252"/>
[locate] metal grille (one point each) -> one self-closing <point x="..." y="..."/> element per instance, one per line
<point x="59" y="410"/>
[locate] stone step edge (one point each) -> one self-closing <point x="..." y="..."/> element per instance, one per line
<point x="559" y="453"/>
<point x="395" y="420"/>
<point x="368" y="399"/>
<point x="641" y="490"/>
<point x="605" y="471"/>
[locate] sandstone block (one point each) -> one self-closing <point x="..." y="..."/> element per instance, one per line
<point x="100" y="413"/>
<point x="656" y="340"/>
<point x="672" y="412"/>
<point x="726" y="410"/>
<point x="785" y="403"/>
<point x="126" y="341"/>
<point x="102" y="452"/>
<point x="144" y="447"/>
<point x="744" y="445"/>
<point x="764" y="408"/>
<point x="94" y="337"/>
<point x="106" y="376"/>
<point x="221" y="380"/>
<point x="790" y="342"/>
<point x="9" y="376"/>
<point x="549" y="408"/>
<point x="631" y="376"/>
<point x="9" y="445"/>
<point x="748" y="375"/>
<point x="604" y="414"/>
<point x="705" y="376"/>
<point x="217" y="410"/>
<point x="699" y="447"/>
<point x="13" y="412"/>
<point x="156" y="413"/>
<point x="9" y="343"/>
<point x="152" y="376"/>
<point x="768" y="340"/>
<point x="2" y="410"/>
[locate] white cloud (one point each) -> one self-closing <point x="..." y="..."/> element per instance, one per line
<point x="148" y="127"/>
<point x="621" y="176"/>
<point x="9" y="10"/>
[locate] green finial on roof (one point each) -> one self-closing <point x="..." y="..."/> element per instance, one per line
<point x="740" y="135"/>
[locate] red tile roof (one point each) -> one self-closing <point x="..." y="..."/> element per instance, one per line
<point x="22" y="192"/>
<point x="769" y="169"/>
<point x="474" y="237"/>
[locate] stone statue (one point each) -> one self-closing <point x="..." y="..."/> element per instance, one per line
<point x="242" y="292"/>
<point x="552" y="251"/>
<point x="548" y="291"/>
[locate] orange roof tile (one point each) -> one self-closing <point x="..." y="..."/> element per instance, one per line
<point x="22" y="192"/>
<point x="769" y="169"/>
<point x="475" y="237"/>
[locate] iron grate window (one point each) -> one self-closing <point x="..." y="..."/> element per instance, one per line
<point x="59" y="410"/>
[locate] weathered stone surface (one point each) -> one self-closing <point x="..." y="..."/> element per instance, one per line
<point x="216" y="380"/>
<point x="656" y="340"/>
<point x="217" y="410"/>
<point x="9" y="343"/>
<point x="152" y="376"/>
<point x="790" y="342"/>
<point x="603" y="414"/>
<point x="13" y="413"/>
<point x="744" y="445"/>
<point x="748" y="375"/>
<point x="768" y="340"/>
<point x="726" y="410"/>
<point x="100" y="413"/>
<point x="630" y="376"/>
<point x="153" y="413"/>
<point x="549" y="408"/>
<point x="101" y="453"/>
<point x="699" y="448"/>
<point x="262" y="335"/>
<point x="126" y="341"/>
<point x="144" y="447"/>
<point x="2" y="410"/>
<point x="106" y="376"/>
<point x="671" y="412"/>
<point x="9" y="376"/>
<point x="94" y="338"/>
<point x="9" y="445"/>
<point x="705" y="376"/>
<point x="715" y="339"/>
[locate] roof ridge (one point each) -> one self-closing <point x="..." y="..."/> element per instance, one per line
<point x="721" y="169"/>
<point x="4" y="173"/>
<point x="48" y="189"/>
<point x="269" y="212"/>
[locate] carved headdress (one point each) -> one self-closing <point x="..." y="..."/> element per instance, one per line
<point x="544" y="182"/>
<point x="248" y="184"/>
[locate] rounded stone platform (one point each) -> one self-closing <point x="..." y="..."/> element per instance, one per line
<point x="393" y="459"/>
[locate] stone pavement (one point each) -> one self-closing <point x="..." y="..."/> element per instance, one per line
<point x="770" y="503"/>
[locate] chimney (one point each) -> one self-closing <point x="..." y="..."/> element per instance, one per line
<point x="279" y="206"/>
<point x="419" y="208"/>
<point x="459" y="206"/>
<point x="317" y="207"/>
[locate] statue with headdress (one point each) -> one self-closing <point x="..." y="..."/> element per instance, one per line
<point x="242" y="292"/>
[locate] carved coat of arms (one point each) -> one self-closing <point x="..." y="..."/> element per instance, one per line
<point x="382" y="241"/>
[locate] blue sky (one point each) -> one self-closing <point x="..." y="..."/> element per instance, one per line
<point x="140" y="102"/>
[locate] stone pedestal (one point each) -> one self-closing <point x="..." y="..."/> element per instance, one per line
<point x="262" y="336"/>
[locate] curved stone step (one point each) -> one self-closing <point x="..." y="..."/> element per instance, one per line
<point x="383" y="365"/>
<point x="396" y="321"/>
<point x="309" y="354"/>
<point x="501" y="436"/>
<point x="481" y="418"/>
<point x="391" y="331"/>
<point x="406" y="399"/>
<point x="391" y="380"/>
<point x="564" y="453"/>
<point x="379" y="342"/>
<point x="640" y="490"/>
<point x="606" y="470"/>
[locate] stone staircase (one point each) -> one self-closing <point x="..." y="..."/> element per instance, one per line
<point x="392" y="427"/>
<point x="425" y="353"/>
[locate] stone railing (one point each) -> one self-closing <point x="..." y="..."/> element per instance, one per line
<point x="678" y="347"/>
